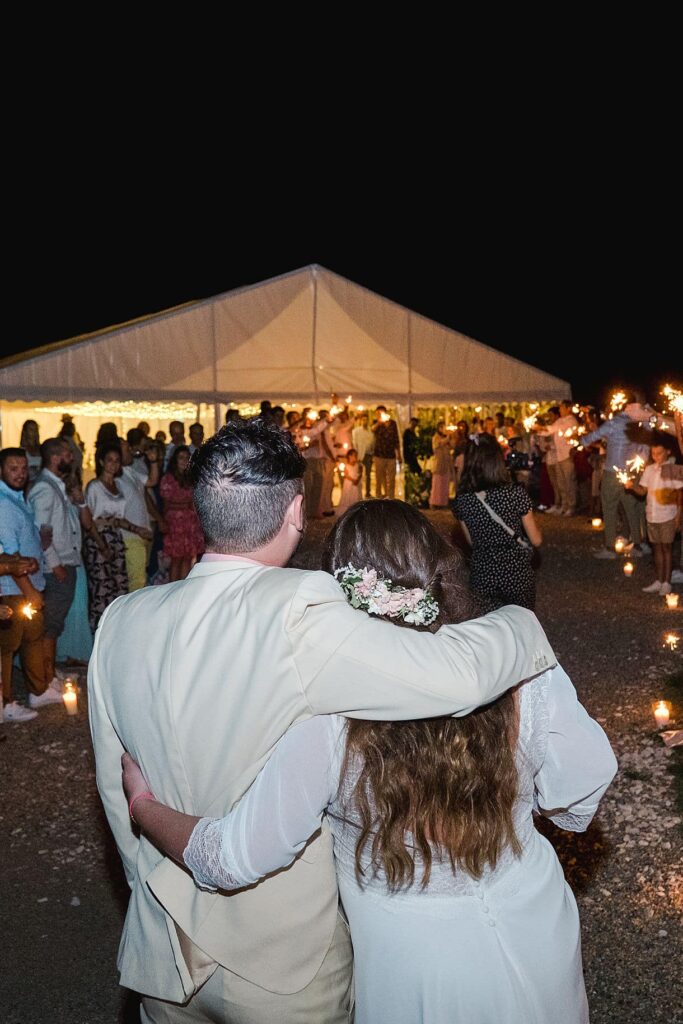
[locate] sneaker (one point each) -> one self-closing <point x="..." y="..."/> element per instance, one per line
<point x="604" y="553"/>
<point x="57" y="681"/>
<point x="654" y="588"/>
<point x="555" y="510"/>
<point x="665" y="588"/>
<point x="51" y="696"/>
<point x="634" y="551"/>
<point x="645" y="548"/>
<point x="677" y="576"/>
<point x="14" y="712"/>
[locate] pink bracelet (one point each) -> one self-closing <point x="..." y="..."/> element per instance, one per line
<point x="147" y="795"/>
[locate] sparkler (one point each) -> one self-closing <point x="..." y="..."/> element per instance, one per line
<point x="674" y="398"/>
<point x="385" y="417"/>
<point x="27" y="610"/>
<point x="617" y="401"/>
<point x="636" y="464"/>
<point x="529" y="422"/>
<point x="312" y="416"/>
<point x="622" y="476"/>
<point x="349" y="399"/>
<point x="671" y="641"/>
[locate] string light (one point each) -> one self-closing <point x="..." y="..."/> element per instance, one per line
<point x="127" y="410"/>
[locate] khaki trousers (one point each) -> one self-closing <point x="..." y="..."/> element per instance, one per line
<point x="26" y="636"/>
<point x="136" y="562"/>
<point x="565" y="474"/>
<point x="327" y="999"/>
<point x="385" y="477"/>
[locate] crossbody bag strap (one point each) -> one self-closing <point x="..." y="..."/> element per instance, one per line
<point x="481" y="496"/>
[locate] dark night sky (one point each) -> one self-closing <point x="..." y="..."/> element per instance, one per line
<point x="569" y="289"/>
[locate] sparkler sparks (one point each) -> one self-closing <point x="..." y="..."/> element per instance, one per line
<point x="674" y="398"/>
<point x="27" y="610"/>
<point x="617" y="401"/>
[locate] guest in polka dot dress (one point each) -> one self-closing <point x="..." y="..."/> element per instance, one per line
<point x="504" y="535"/>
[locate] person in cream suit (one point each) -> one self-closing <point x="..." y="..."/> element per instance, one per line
<point x="199" y="679"/>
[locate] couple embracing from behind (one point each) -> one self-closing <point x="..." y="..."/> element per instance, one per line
<point x="277" y="717"/>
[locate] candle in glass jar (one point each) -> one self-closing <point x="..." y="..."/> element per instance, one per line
<point x="628" y="568"/>
<point x="671" y="600"/>
<point x="619" y="545"/>
<point x="596" y="523"/>
<point x="70" y="697"/>
<point x="662" y="713"/>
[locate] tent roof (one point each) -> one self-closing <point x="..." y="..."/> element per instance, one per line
<point x="295" y="338"/>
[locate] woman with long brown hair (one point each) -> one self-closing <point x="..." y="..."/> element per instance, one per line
<point x="458" y="907"/>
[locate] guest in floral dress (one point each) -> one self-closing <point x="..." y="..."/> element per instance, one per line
<point x="184" y="541"/>
<point x="104" y="552"/>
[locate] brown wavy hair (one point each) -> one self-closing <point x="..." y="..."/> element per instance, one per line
<point x="450" y="782"/>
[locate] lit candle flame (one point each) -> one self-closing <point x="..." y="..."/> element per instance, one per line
<point x="671" y="640"/>
<point x="619" y="545"/>
<point x="628" y="568"/>
<point x="28" y="611"/>
<point x="349" y="399"/>
<point x="596" y="523"/>
<point x="662" y="713"/>
<point x="671" y="600"/>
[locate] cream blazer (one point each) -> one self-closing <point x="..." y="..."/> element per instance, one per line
<point x="198" y="680"/>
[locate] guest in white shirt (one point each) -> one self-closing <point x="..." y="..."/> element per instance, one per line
<point x="59" y="522"/>
<point x="364" y="443"/>
<point x="559" y="461"/>
<point x="196" y="437"/>
<point x="104" y="548"/>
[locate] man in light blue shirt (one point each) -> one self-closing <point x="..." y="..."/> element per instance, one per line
<point x="617" y="434"/>
<point x="18" y="533"/>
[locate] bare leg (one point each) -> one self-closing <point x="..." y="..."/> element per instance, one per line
<point x="659" y="562"/>
<point x="667" y="561"/>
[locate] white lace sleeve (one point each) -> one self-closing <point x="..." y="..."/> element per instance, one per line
<point x="578" y="765"/>
<point x="277" y="815"/>
<point x="202" y="856"/>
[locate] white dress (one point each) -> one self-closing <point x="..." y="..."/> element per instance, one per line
<point x="503" y="950"/>
<point x="351" y="487"/>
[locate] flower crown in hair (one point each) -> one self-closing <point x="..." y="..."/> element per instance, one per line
<point x="365" y="590"/>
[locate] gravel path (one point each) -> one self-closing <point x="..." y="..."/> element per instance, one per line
<point x="62" y="895"/>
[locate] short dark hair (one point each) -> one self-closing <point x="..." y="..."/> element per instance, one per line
<point x="245" y="477"/>
<point x="51" y="447"/>
<point x="11" y="453"/>
<point x="134" y="436"/>
<point x="484" y="465"/>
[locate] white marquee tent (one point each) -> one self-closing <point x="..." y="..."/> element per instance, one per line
<point x="293" y="338"/>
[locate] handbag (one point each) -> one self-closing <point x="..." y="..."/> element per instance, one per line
<point x="481" y="496"/>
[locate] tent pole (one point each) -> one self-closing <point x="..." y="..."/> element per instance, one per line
<point x="314" y="334"/>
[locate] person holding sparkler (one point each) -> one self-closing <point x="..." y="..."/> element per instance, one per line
<point x="621" y="451"/>
<point x="21" y="584"/>
<point x="663" y="512"/>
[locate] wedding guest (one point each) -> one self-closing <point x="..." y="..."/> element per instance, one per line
<point x="74" y="643"/>
<point x="410" y="445"/>
<point x="620" y="448"/>
<point x="108" y="433"/>
<point x="22" y="581"/>
<point x="327" y="462"/>
<point x="387" y="453"/>
<point x="364" y="443"/>
<point x="560" y="461"/>
<point x="177" y="432"/>
<point x="458" y="907"/>
<point x="662" y="511"/>
<point x="59" y="521"/>
<point x="351" y="481"/>
<point x="196" y="437"/>
<point x="68" y="434"/>
<point x="497" y="519"/>
<point x="443" y="473"/>
<point x="183" y="541"/>
<point x="30" y="442"/>
<point x="137" y="535"/>
<point x="104" y="548"/>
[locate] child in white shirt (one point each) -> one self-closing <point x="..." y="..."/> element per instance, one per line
<point x="663" y="515"/>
